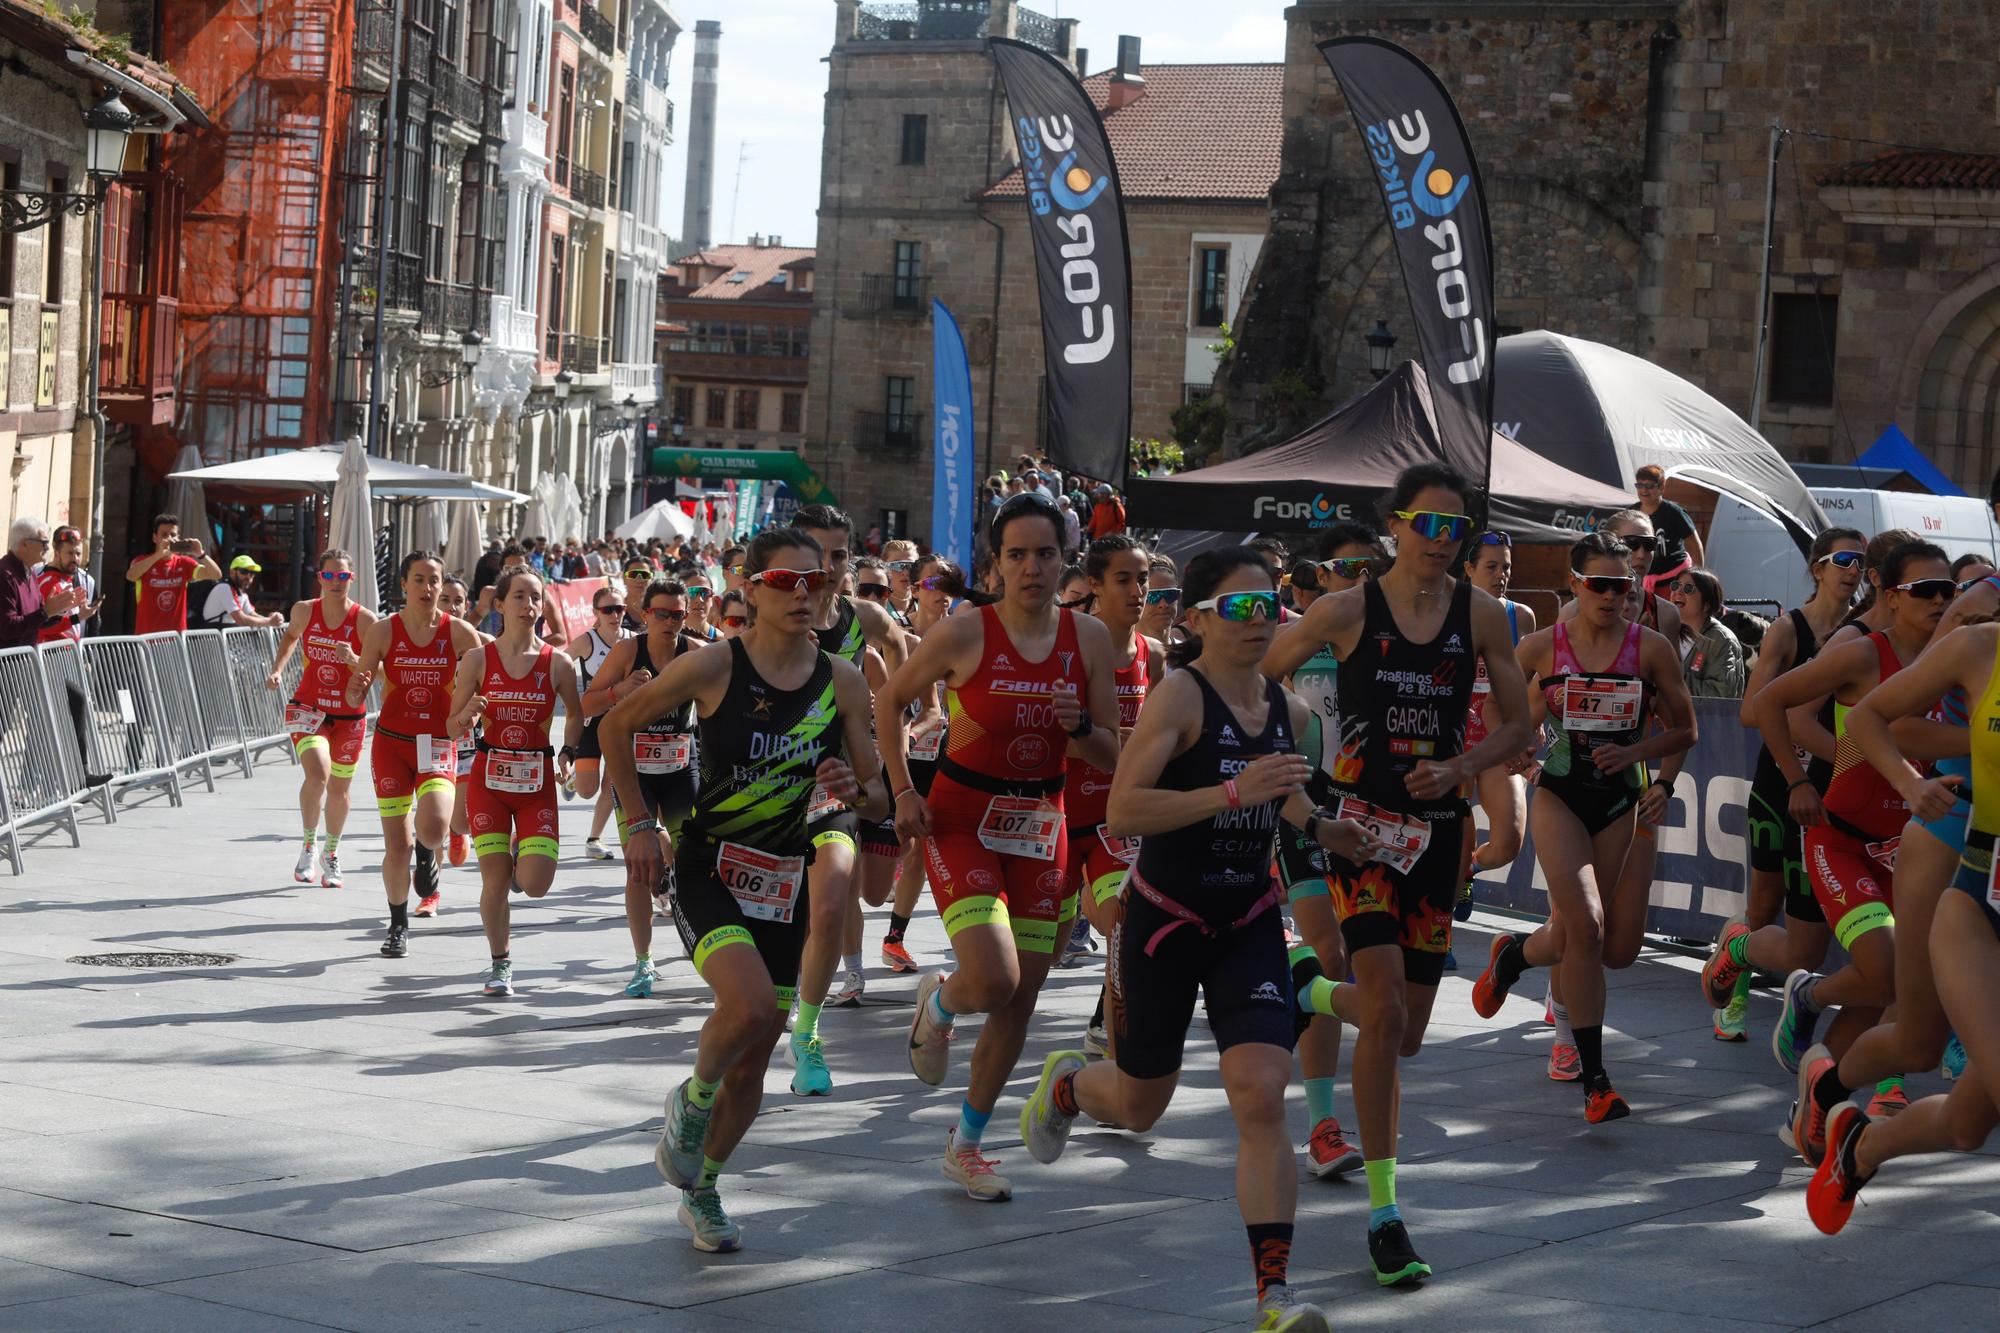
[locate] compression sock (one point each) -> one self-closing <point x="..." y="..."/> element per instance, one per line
<point x="1565" y="1035"/>
<point x="399" y="914"/>
<point x="1311" y="988"/>
<point x="971" y="1125"/>
<point x="1382" y="1207"/>
<point x="701" y="1095"/>
<point x="1590" y="1050"/>
<point x="850" y="962"/>
<point x="1319" y="1100"/>
<point x="312" y="835"/>
<point x="807" y="1023"/>
<point x="1890" y="1085"/>
<point x="710" y="1170"/>
<point x="1270" y="1254"/>
<point x="1739" y="954"/>
<point x="940" y="1015"/>
<point x="897" y="925"/>
<point x="1828" y="1091"/>
<point x="1511" y="963"/>
<point x="332" y="844"/>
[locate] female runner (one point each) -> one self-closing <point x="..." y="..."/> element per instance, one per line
<point x="589" y="651"/>
<point x="414" y="763"/>
<point x="510" y="687"/>
<point x="930" y="602"/>
<point x="776" y="714"/>
<point x="326" y="733"/>
<point x="1591" y="788"/>
<point x="1025" y="678"/>
<point x="456" y="602"/>
<point x="663" y="753"/>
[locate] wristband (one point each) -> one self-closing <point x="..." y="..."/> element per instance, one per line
<point x="901" y="794"/>
<point x="646" y="825"/>
<point x="1796" y="785"/>
<point x="1230" y="794"/>
<point x="1312" y="824"/>
<point x="1083" y="726"/>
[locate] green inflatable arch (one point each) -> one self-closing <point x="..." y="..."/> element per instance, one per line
<point x="743" y="464"/>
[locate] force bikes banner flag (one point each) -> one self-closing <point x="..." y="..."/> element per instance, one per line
<point x="951" y="440"/>
<point x="1423" y="164"/>
<point x="1083" y="270"/>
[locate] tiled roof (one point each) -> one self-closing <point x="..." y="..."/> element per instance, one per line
<point x="1912" y="170"/>
<point x="750" y="269"/>
<point x="1198" y="132"/>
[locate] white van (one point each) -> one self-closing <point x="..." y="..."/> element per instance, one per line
<point x="1757" y="560"/>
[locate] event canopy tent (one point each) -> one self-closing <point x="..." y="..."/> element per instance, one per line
<point x="1342" y="466"/>
<point x="316" y="470"/>
<point x="1606" y="413"/>
<point x="1893" y="449"/>
<point x="664" y="521"/>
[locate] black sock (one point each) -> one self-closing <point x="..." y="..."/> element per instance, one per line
<point x="1590" y="1049"/>
<point x="1097" y="1014"/>
<point x="1509" y="966"/>
<point x="1270" y="1253"/>
<point x="399" y="914"/>
<point x="1828" y="1091"/>
<point x="897" y="925"/>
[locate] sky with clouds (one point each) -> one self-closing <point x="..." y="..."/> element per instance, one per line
<point x="773" y="89"/>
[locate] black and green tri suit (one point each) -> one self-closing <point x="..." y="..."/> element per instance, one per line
<point x="743" y="850"/>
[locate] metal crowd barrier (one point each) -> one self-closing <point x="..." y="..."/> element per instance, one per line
<point x="126" y="717"/>
<point x="41" y="781"/>
<point x="69" y="698"/>
<point x="180" y="715"/>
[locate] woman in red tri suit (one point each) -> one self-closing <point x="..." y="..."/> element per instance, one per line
<point x="326" y="733"/>
<point x="415" y="768"/>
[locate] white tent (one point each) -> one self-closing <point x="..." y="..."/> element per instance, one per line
<point x="317" y="470"/>
<point x="664" y="520"/>
<point x="352" y="526"/>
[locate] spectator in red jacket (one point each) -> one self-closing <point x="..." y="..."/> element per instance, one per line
<point x="1107" y="513"/>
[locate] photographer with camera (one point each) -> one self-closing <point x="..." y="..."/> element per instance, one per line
<point x="164" y="575"/>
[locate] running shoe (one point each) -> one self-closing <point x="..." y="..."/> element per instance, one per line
<point x="1565" y="1064"/>
<point x="973" y="1173"/>
<point x="930" y="1045"/>
<point x="1808" y="1120"/>
<point x="1044" y="1128"/>
<point x="668" y="887"/>
<point x="457" y="850"/>
<point x="1450" y="960"/>
<point x="396" y="944"/>
<point x="810" y="1076"/>
<point x="1328" y="1153"/>
<point x="329" y="872"/>
<point x="701" y="1213"/>
<point x="1097" y="1042"/>
<point x="500" y="981"/>
<point x="1549" y="1008"/>
<point x="1785" y="1135"/>
<point x="895" y="957"/>
<point x="1831" y="1192"/>
<point x="1281" y="1311"/>
<point x="1462" y="909"/>
<point x="678" y="1153"/>
<point x="428" y="904"/>
<point x="640" y="987"/>
<point x="1601" y="1101"/>
<point x="852" y="985"/>
<point x="1487" y="992"/>
<point x="1078" y="944"/>
<point x="1797" y="1022"/>
<point x="1954" y="1060"/>
<point x="1395" y="1260"/>
<point x="307" y="869"/>
<point x="569" y="788"/>
<point x="1729" y="1020"/>
<point x="595" y="849"/>
<point x="1719" y="973"/>
<point x="1882" y="1105"/>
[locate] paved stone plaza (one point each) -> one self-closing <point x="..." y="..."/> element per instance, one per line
<point x="314" y="1136"/>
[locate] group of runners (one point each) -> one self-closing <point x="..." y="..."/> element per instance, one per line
<point x="1177" y="757"/>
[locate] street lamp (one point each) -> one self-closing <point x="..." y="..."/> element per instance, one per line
<point x="680" y="430"/>
<point x="107" y="128"/>
<point x="469" y="348"/>
<point x="1381" y="345"/>
<point x="563" y="380"/>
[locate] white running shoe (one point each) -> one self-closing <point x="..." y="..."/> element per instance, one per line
<point x="329" y="875"/>
<point x="595" y="849"/>
<point x="852" y="985"/>
<point x="975" y="1174"/>
<point x="1097" y="1042"/>
<point x="1044" y="1127"/>
<point x="1281" y="1311"/>
<point x="930" y="1045"/>
<point x="307" y="870"/>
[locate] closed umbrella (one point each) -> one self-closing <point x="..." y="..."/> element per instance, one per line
<point x="429" y="529"/>
<point x="353" y="522"/>
<point x="185" y="500"/>
<point x="463" y="549"/>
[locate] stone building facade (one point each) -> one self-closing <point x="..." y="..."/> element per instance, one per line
<point x="1624" y="145"/>
<point x="734" y="339"/>
<point x="919" y="202"/>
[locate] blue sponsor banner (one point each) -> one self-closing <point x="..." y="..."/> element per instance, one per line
<point x="951" y="442"/>
<point x="1702" y="874"/>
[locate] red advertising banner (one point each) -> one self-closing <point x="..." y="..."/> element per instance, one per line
<point x="571" y="604"/>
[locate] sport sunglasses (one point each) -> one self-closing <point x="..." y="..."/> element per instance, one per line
<point x="790" y="580"/>
<point x="1929" y="590"/>
<point x="1242" y="605"/>
<point x="735" y="622"/>
<point x="611" y="609"/>
<point x="1349" y="567"/>
<point x="661" y="613"/>
<point x="873" y="591"/>
<point x="1601" y="583"/>
<point x="1434" y="526"/>
<point x="1496" y="539"/>
<point x="1154" y="596"/>
<point x="1843" y="559"/>
<point x="336" y="576"/>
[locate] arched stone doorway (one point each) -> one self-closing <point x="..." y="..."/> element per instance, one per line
<point x="1958" y="393"/>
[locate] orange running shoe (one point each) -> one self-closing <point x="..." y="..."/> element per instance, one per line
<point x="1808" y="1120"/>
<point x="1565" y="1064"/>
<point x="1328" y="1153"/>
<point x="428" y="905"/>
<point x="1601" y="1102"/>
<point x="1487" y="992"/>
<point x="1719" y="973"/>
<point x="897" y="958"/>
<point x="457" y="849"/>
<point x="1886" y="1102"/>
<point x="1831" y="1192"/>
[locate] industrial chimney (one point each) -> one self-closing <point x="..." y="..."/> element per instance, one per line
<point x="695" y="219"/>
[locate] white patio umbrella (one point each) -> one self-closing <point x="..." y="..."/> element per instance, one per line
<point x="353" y="522"/>
<point x="664" y="521"/>
<point x="184" y="498"/>
<point x="429" y="527"/>
<point x="463" y="549"/>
